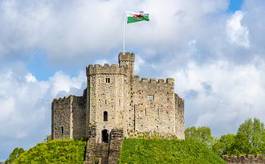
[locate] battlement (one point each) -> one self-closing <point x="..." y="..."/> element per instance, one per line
<point x="127" y="56"/>
<point x="245" y="158"/>
<point x="106" y="69"/>
<point x="68" y="99"/>
<point x="61" y="100"/>
<point x="154" y="81"/>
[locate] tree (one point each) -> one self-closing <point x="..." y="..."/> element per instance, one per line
<point x="15" y="154"/>
<point x="201" y="134"/>
<point x="225" y="145"/>
<point x="250" y="137"/>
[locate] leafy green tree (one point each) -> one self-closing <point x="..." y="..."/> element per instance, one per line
<point x="201" y="134"/>
<point x="225" y="145"/>
<point x="250" y="137"/>
<point x="14" y="154"/>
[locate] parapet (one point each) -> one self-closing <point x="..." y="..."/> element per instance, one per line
<point x="126" y="56"/>
<point x="244" y="158"/>
<point x="169" y="81"/>
<point x="105" y="69"/>
<point x="69" y="99"/>
<point x="61" y="100"/>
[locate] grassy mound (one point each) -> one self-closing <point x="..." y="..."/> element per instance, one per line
<point x="56" y="151"/>
<point x="142" y="151"/>
<point x="166" y="151"/>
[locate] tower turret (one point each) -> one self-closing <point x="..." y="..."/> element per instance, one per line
<point x="127" y="58"/>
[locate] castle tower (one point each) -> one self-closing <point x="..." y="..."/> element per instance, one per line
<point x="127" y="59"/>
<point x="107" y="96"/>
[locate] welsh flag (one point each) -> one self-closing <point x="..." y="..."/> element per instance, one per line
<point x="138" y="16"/>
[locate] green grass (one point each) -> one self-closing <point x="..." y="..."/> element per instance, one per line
<point x="56" y="151"/>
<point x="134" y="151"/>
<point x="163" y="151"/>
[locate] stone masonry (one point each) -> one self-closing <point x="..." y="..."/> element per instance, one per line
<point x="116" y="98"/>
<point x="245" y="159"/>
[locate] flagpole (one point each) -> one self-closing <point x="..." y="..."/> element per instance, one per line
<point x="124" y="32"/>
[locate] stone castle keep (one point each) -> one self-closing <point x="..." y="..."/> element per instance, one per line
<point x="117" y="100"/>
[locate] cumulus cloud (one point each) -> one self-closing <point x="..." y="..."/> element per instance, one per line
<point x="222" y="95"/>
<point x="237" y="33"/>
<point x="25" y="105"/>
<point x="82" y="29"/>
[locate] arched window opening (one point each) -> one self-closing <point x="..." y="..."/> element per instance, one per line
<point x="105" y="136"/>
<point x="105" y="116"/>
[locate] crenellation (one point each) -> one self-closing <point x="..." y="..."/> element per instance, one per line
<point x="127" y="56"/>
<point x="144" y="80"/>
<point x="116" y="98"/>
<point x="153" y="81"/>
<point x="170" y="81"/>
<point x="114" y="69"/>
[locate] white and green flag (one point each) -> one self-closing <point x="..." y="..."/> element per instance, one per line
<point x="138" y="16"/>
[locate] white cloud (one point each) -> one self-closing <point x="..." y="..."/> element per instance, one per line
<point x="30" y="78"/>
<point x="82" y="29"/>
<point x="139" y="61"/>
<point x="25" y="105"/>
<point x="61" y="83"/>
<point x="102" y="61"/>
<point x="222" y="95"/>
<point x="237" y="33"/>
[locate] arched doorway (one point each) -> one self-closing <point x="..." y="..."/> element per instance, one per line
<point x="105" y="136"/>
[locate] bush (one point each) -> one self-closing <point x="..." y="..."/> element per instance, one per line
<point x="14" y="155"/>
<point x="201" y="134"/>
<point x="56" y="151"/>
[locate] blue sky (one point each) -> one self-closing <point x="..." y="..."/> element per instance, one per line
<point x="214" y="50"/>
<point x="235" y="5"/>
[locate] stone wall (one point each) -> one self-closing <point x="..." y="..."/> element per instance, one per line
<point x="68" y="117"/>
<point x="61" y="118"/>
<point x="180" y="128"/>
<point x="248" y="159"/>
<point x="153" y="106"/>
<point x="116" y="138"/>
<point x="79" y="117"/>
<point x="104" y="153"/>
<point x="108" y="90"/>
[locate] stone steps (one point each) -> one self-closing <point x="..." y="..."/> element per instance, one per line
<point x="104" y="153"/>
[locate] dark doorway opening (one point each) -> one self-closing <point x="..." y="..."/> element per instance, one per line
<point x="105" y="136"/>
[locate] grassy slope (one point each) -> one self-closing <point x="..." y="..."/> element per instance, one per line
<point x="57" y="151"/>
<point x="135" y="151"/>
<point x="166" y="151"/>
